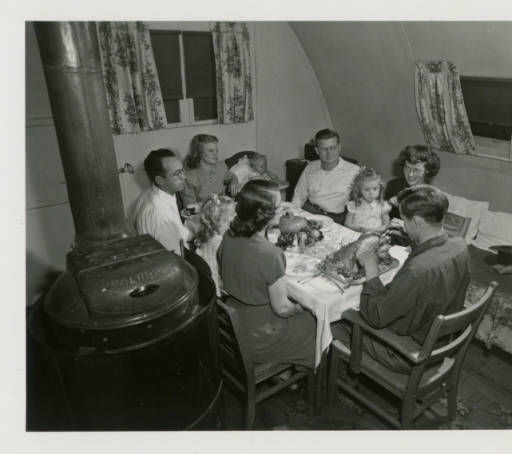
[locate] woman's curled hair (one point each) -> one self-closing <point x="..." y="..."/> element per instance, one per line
<point x="255" y="208"/>
<point x="421" y="153"/>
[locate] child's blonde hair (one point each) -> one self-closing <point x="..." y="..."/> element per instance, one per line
<point x="365" y="174"/>
<point x="213" y="218"/>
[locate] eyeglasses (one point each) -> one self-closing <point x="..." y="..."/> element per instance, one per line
<point x="414" y="170"/>
<point x="180" y="173"/>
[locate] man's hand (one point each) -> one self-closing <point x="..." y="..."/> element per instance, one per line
<point x="369" y="260"/>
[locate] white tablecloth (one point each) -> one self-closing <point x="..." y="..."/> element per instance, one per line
<point x="321" y="296"/>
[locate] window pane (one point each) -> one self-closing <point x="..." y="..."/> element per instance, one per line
<point x="489" y="106"/>
<point x="205" y="108"/>
<point x="200" y="73"/>
<point x="166" y="49"/>
<point x="172" y="110"/>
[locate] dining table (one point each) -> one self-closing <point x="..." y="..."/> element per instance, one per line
<point x="325" y="297"/>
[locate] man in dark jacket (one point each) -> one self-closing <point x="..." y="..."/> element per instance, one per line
<point x="432" y="281"/>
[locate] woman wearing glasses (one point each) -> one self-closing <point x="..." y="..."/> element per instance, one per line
<point x="419" y="165"/>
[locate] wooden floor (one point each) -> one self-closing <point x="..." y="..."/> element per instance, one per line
<point x="485" y="402"/>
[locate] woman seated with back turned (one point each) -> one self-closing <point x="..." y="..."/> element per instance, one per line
<point x="253" y="272"/>
<point x="419" y="165"/>
<point x="206" y="175"/>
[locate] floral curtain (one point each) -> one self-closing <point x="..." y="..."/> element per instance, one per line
<point x="131" y="80"/>
<point x="441" y="109"/>
<point x="233" y="69"/>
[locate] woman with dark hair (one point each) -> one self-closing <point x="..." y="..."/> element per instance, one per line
<point x="420" y="164"/>
<point x="253" y="272"/>
<point x="206" y="175"/>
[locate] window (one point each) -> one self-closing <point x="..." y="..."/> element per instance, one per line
<point x="186" y="71"/>
<point x="488" y="104"/>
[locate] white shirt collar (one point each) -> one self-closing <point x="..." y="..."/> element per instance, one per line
<point x="163" y="196"/>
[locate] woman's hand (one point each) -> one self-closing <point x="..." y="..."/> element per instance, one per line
<point x="281" y="305"/>
<point x="393" y="201"/>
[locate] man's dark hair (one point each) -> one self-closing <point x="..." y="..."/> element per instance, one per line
<point x="421" y="154"/>
<point x="255" y="207"/>
<point x="153" y="162"/>
<point x="425" y="201"/>
<point x="325" y="134"/>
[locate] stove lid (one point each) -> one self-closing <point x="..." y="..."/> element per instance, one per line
<point x="121" y="282"/>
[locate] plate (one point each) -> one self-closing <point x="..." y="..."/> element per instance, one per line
<point x="300" y="265"/>
<point x="383" y="268"/>
<point x="326" y="221"/>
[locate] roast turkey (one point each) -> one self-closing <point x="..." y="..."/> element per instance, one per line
<point x="344" y="263"/>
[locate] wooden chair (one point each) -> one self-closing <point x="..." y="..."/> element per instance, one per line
<point x="249" y="380"/>
<point x="435" y="366"/>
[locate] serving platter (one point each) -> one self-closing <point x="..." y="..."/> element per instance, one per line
<point x="301" y="265"/>
<point x="326" y="221"/>
<point x="383" y="268"/>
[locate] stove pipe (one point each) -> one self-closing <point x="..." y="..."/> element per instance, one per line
<point x="71" y="61"/>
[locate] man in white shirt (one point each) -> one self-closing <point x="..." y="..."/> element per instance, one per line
<point x="324" y="186"/>
<point x="156" y="211"/>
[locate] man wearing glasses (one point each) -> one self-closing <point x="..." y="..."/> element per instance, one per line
<point x="156" y="211"/>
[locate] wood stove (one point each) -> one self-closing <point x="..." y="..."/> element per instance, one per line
<point x="129" y="338"/>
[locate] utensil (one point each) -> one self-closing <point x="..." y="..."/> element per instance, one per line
<point x="335" y="282"/>
<point x="307" y="279"/>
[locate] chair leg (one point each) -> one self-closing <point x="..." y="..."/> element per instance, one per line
<point x="250" y="411"/>
<point x="311" y="393"/>
<point x="406" y="412"/>
<point x="452" y="403"/>
<point x="333" y="375"/>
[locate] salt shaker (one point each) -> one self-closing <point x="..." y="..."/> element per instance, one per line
<point x="302" y="236"/>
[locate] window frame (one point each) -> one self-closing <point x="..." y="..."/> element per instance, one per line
<point x="495" y="147"/>
<point x="186" y="105"/>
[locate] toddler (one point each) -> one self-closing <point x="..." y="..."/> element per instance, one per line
<point x="216" y="214"/>
<point x="254" y="168"/>
<point x="367" y="210"/>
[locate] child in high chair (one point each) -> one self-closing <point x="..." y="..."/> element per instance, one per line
<point x="253" y="168"/>
<point x="367" y="210"/>
<point x="216" y="214"/>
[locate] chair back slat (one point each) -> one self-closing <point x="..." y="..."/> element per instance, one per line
<point x="473" y="314"/>
<point x="451" y="348"/>
<point x="454" y="326"/>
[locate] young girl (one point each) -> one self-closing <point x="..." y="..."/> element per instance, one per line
<point x="367" y="210"/>
<point x="216" y="214"/>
